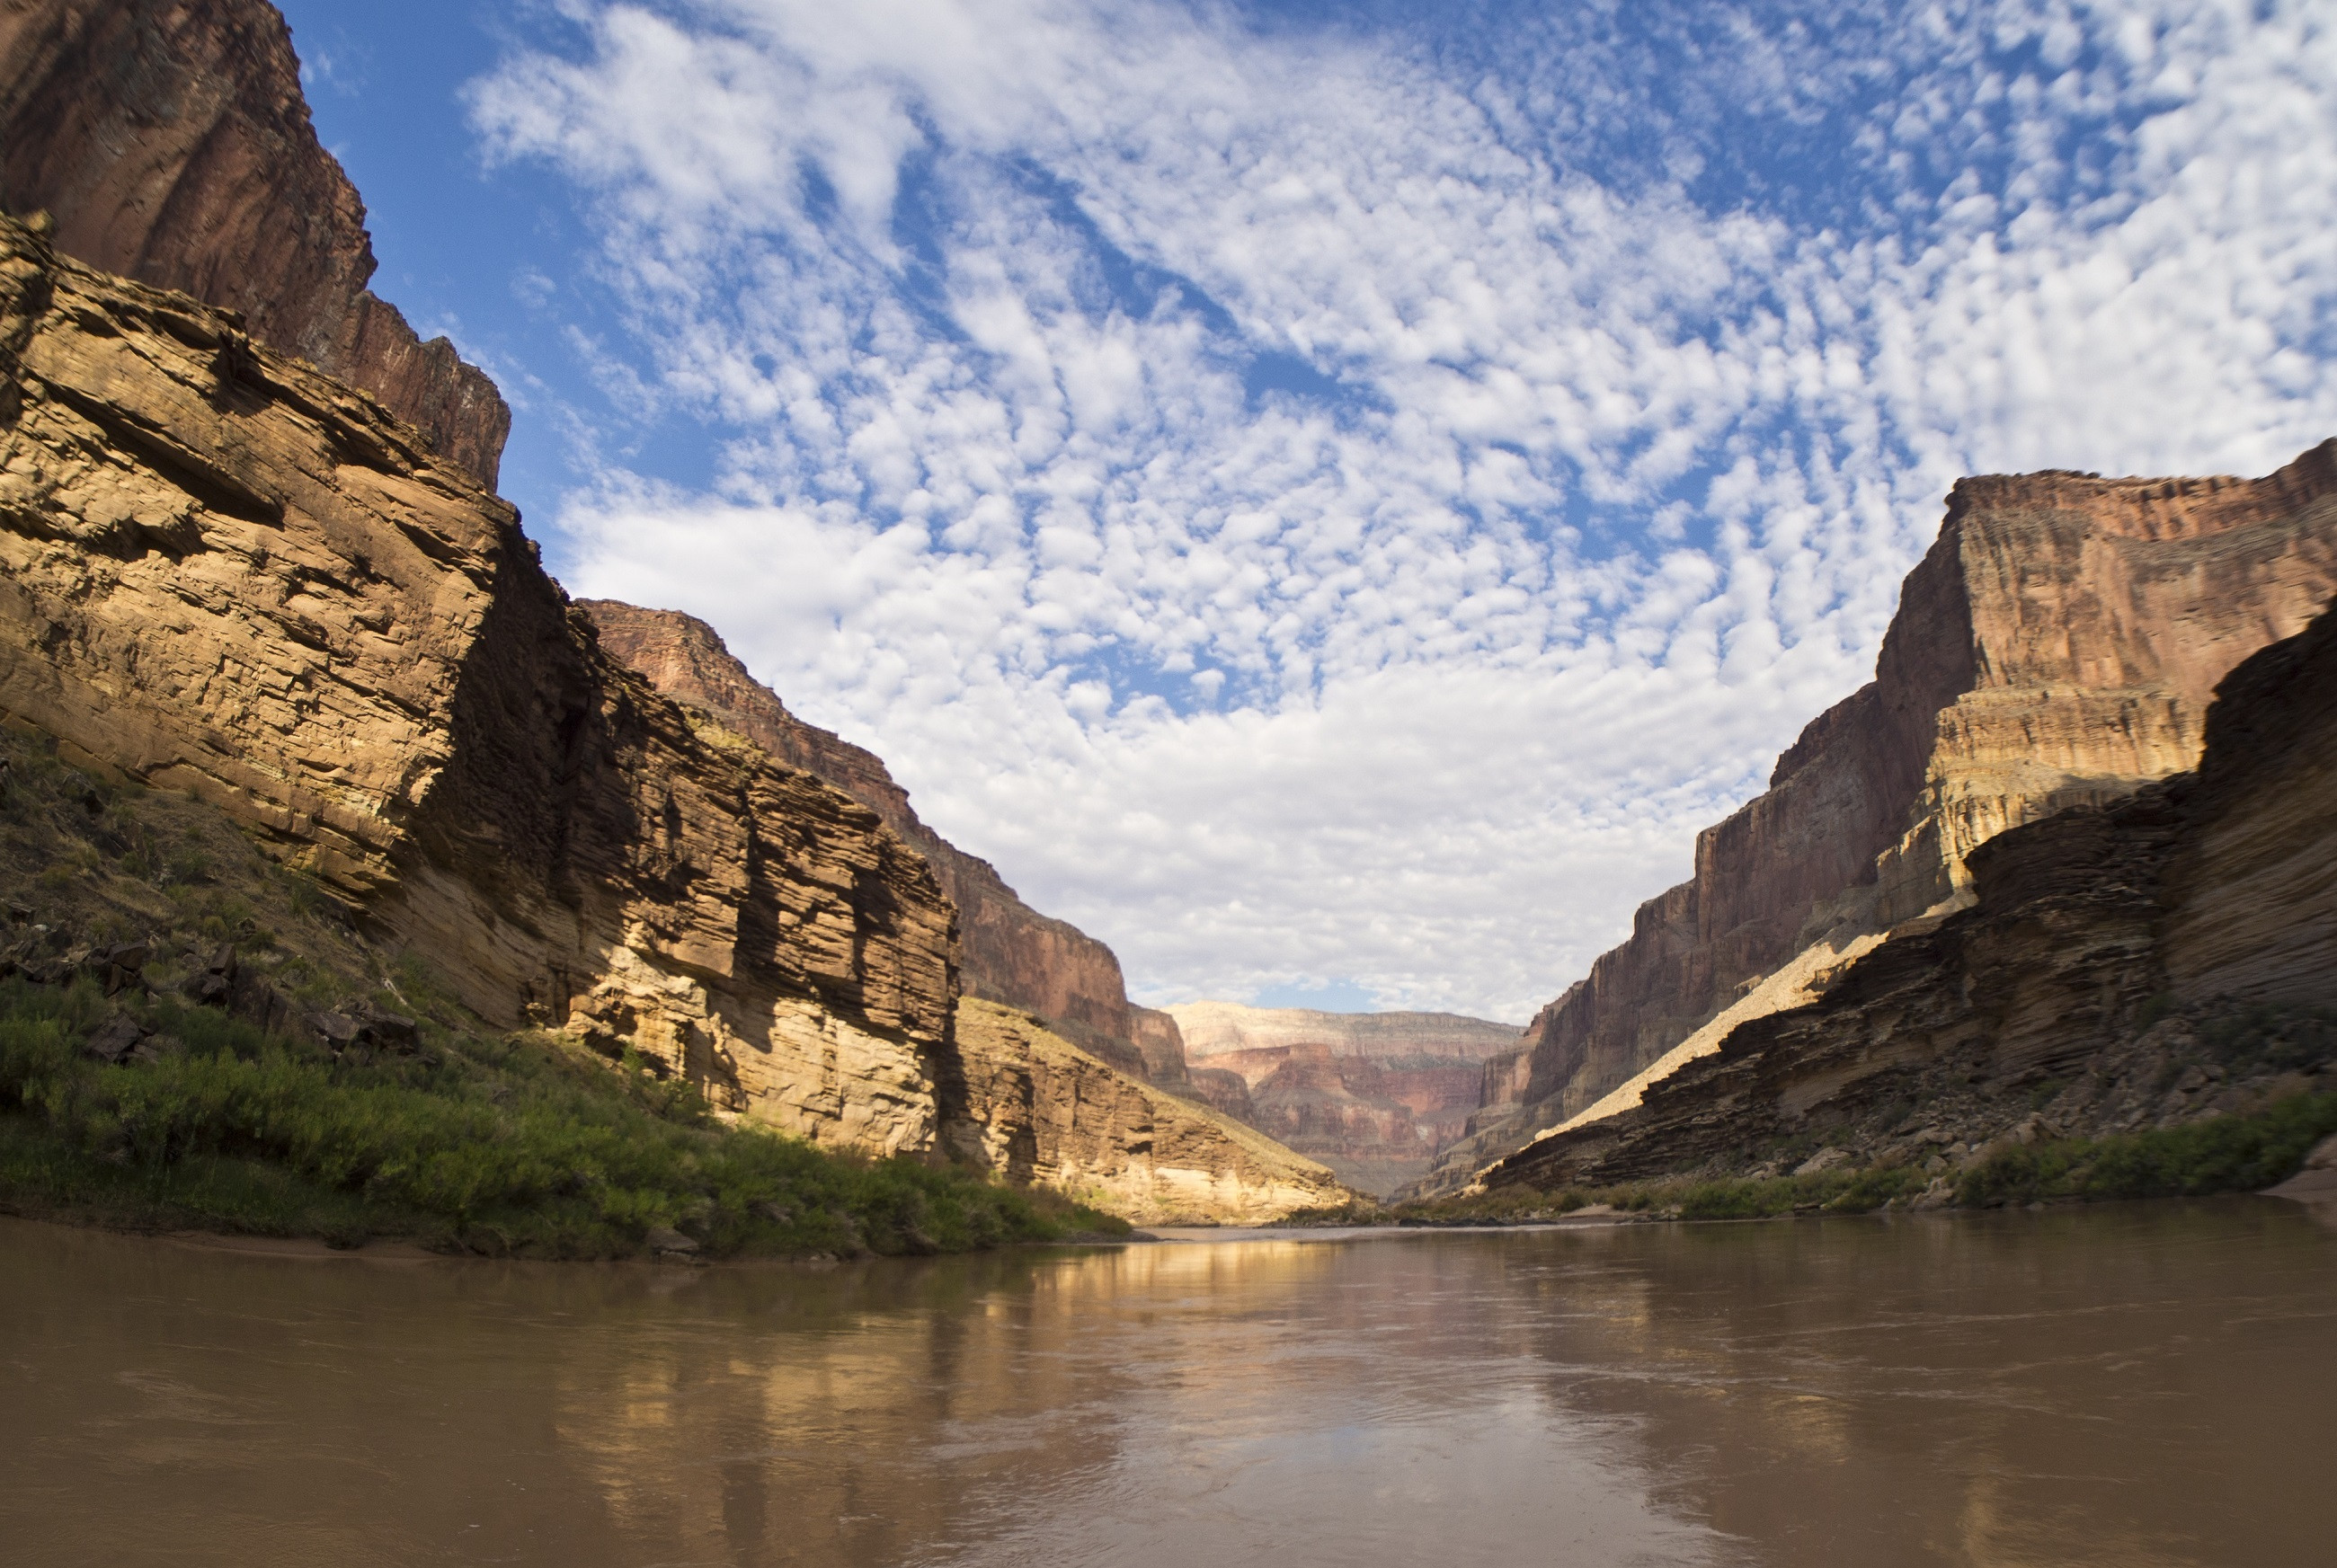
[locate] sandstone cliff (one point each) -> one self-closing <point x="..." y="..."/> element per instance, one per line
<point x="1372" y="1095"/>
<point x="2118" y="966"/>
<point x="2056" y="648"/>
<point x="224" y="573"/>
<point x="1009" y="952"/>
<point x="1053" y="1114"/>
<point x="172" y="145"/>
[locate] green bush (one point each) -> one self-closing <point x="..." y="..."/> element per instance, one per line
<point x="495" y="1146"/>
<point x="2242" y="1154"/>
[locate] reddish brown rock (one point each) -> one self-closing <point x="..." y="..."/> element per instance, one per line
<point x="171" y="144"/>
<point x="2119" y="966"/>
<point x="224" y="573"/>
<point x="1372" y="1095"/>
<point x="2056" y="648"/>
<point x="1011" y="953"/>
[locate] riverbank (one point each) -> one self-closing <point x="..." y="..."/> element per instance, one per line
<point x="2246" y="1153"/>
<point x="145" y="1113"/>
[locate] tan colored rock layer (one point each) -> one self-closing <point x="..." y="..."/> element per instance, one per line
<point x="1214" y="1028"/>
<point x="225" y="574"/>
<point x="1009" y="953"/>
<point x="2056" y="648"/>
<point x="1051" y="1114"/>
<point x="172" y="145"/>
<point x="2038" y="1009"/>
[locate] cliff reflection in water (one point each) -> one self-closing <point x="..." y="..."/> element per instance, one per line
<point x="2140" y="1385"/>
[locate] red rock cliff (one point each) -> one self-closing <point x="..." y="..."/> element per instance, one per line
<point x="170" y="141"/>
<point x="1011" y="953"/>
<point x="2056" y="647"/>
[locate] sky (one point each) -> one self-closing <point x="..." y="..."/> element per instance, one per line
<point x="1331" y="498"/>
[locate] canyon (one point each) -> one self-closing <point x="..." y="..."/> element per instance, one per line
<point x="1374" y="1096"/>
<point x="250" y="552"/>
<point x="2056" y="648"/>
<point x="226" y="575"/>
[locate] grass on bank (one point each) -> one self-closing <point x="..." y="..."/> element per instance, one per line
<point x="2234" y="1154"/>
<point x="512" y="1147"/>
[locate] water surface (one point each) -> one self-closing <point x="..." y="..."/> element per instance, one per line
<point x="2131" y="1385"/>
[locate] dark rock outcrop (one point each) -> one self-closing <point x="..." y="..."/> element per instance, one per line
<point x="2057" y="648"/>
<point x="224" y="573"/>
<point x="1009" y="953"/>
<point x="171" y="144"/>
<point x="2101" y="980"/>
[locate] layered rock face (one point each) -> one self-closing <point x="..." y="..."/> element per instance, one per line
<point x="171" y="144"/>
<point x="1009" y="953"/>
<point x="2056" y="648"/>
<point x="1053" y="1114"/>
<point x="224" y="573"/>
<point x="1372" y="1095"/>
<point x="2118" y="967"/>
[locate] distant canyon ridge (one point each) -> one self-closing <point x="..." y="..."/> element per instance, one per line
<point x="1375" y="1097"/>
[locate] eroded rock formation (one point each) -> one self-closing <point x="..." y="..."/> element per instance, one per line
<point x="223" y="572"/>
<point x="1053" y="1114"/>
<point x="2099" y="980"/>
<point x="1372" y="1095"/>
<point x="2056" y="648"/>
<point x="1011" y="953"/>
<point x="171" y="144"/>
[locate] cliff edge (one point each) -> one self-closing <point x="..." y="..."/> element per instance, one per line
<point x="1011" y="953"/>
<point x="2166" y="957"/>
<point x="223" y="572"/>
<point x="172" y="145"/>
<point x="2057" y="648"/>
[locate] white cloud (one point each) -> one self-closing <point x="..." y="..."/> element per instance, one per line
<point x="1305" y="511"/>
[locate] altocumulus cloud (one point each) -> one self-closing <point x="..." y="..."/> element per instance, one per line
<point x="1341" y="497"/>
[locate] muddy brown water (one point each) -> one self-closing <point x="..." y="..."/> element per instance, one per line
<point x="2134" y="1384"/>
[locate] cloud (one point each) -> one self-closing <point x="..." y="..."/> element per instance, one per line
<point x="1342" y="505"/>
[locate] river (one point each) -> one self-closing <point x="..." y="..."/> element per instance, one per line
<point x="2130" y="1385"/>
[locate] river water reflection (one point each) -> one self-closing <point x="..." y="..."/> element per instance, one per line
<point x="2132" y="1384"/>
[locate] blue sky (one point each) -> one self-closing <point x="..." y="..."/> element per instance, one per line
<point x="1331" y="498"/>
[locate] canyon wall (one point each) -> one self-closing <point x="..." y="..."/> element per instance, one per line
<point x="170" y="142"/>
<point x="224" y="573"/>
<point x="1009" y="953"/>
<point x="2056" y="648"/>
<point x="1054" y="1114"/>
<point x="1374" y="1096"/>
<point x="2143" y="962"/>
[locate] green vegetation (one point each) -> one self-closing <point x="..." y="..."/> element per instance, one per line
<point x="2242" y="1154"/>
<point x="525" y="1146"/>
<point x="2234" y="1154"/>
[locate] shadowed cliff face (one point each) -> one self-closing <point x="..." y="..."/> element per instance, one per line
<point x="224" y="573"/>
<point x="2056" y="648"/>
<point x="2090" y="987"/>
<point x="1372" y="1095"/>
<point x="172" y="145"/>
<point x="1011" y="953"/>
